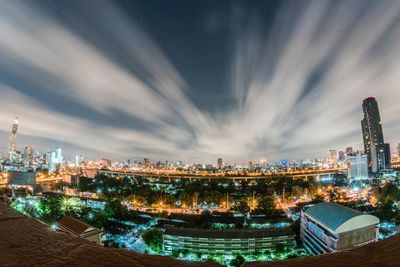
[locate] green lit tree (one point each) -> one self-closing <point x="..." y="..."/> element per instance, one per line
<point x="154" y="240"/>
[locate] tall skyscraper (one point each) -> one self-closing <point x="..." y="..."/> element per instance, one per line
<point x="374" y="143"/>
<point x="12" y="150"/>
<point x="219" y="163"/>
<point x="398" y="150"/>
<point x="28" y="156"/>
<point x="55" y="160"/>
<point x="342" y="156"/>
<point x="333" y="156"/>
<point x="383" y="156"/>
<point x="349" y="150"/>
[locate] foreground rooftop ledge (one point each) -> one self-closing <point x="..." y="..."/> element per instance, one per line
<point x="27" y="241"/>
<point x="383" y="253"/>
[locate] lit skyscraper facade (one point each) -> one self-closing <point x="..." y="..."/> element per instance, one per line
<point x="342" y="156"/>
<point x="219" y="163"/>
<point x="12" y="150"/>
<point x="358" y="167"/>
<point x="398" y="150"/>
<point x="55" y="160"/>
<point x="333" y="156"/>
<point x="374" y="145"/>
<point x="28" y="156"/>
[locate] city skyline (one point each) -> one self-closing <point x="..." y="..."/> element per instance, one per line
<point x="197" y="82"/>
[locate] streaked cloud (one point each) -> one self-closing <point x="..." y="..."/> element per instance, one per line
<point x="298" y="82"/>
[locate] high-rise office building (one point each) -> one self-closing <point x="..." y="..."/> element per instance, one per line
<point x="250" y="165"/>
<point x="371" y="126"/>
<point x="333" y="156"/>
<point x="358" y="167"/>
<point x="349" y="150"/>
<point x="12" y="150"/>
<point x="342" y="156"/>
<point x="219" y="163"/>
<point x="398" y="150"/>
<point x="55" y="160"/>
<point x="28" y="156"/>
<point x="383" y="156"/>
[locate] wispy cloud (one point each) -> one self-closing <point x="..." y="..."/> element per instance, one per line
<point x="298" y="84"/>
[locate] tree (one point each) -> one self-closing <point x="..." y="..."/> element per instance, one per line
<point x="389" y="192"/>
<point x="153" y="240"/>
<point x="267" y="203"/>
<point x="185" y="198"/>
<point x="175" y="253"/>
<point x="116" y="210"/>
<point x="71" y="204"/>
<point x="237" y="261"/>
<point x="50" y="209"/>
<point x="242" y="206"/>
<point x="204" y="220"/>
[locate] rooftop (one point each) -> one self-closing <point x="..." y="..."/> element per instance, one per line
<point x="228" y="233"/>
<point x="338" y="218"/>
<point x="75" y="226"/>
<point x="27" y="241"/>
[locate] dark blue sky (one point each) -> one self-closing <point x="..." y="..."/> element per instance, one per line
<point x="197" y="80"/>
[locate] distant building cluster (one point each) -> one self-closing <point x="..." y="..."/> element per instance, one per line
<point x="376" y="157"/>
<point x="20" y="168"/>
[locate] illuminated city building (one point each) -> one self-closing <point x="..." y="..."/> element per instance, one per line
<point x="28" y="157"/>
<point x="12" y="150"/>
<point x="219" y="163"/>
<point x="250" y="165"/>
<point x="398" y="150"/>
<point x="329" y="227"/>
<point x="105" y="163"/>
<point x="358" y="167"/>
<point x="349" y="150"/>
<point x="55" y="160"/>
<point x="377" y="151"/>
<point x="225" y="242"/>
<point x="333" y="156"/>
<point x="342" y="156"/>
<point x="383" y="156"/>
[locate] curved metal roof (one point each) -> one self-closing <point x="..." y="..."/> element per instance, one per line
<point x="339" y="218"/>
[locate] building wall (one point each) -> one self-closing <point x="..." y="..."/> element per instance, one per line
<point x="319" y="240"/>
<point x="21" y="178"/>
<point x="223" y="246"/>
<point x="358" y="167"/>
<point x="95" y="238"/>
<point x="316" y="239"/>
<point x="357" y="237"/>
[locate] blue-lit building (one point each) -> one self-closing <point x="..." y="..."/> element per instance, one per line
<point x="358" y="167"/>
<point x="329" y="227"/>
<point x="55" y="160"/>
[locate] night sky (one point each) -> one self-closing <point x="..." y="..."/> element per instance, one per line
<point x="197" y="80"/>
